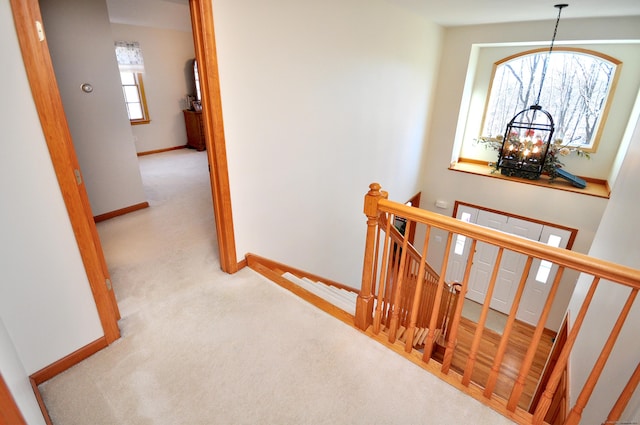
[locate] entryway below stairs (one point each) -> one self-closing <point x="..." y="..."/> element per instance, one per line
<point x="345" y="301"/>
<point x="495" y="319"/>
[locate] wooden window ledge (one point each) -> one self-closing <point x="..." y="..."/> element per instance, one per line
<point x="138" y="122"/>
<point x="598" y="188"/>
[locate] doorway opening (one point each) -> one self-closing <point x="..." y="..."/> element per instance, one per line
<point x="37" y="60"/>
<point x="159" y="47"/>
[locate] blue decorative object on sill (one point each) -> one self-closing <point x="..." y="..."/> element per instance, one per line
<point x="575" y="180"/>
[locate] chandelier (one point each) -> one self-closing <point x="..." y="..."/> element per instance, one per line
<point x="528" y="135"/>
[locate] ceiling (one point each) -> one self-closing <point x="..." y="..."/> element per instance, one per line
<point x="170" y="14"/>
<point x="174" y="14"/>
<point x="448" y="13"/>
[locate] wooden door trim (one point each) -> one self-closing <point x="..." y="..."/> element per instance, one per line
<point x="9" y="411"/>
<point x="48" y="103"/>
<point x="573" y="231"/>
<point x="207" y="56"/>
<point x="46" y="96"/>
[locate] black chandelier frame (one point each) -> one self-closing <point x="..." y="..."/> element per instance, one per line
<point x="528" y="135"/>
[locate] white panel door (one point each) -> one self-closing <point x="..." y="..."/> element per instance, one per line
<point x="484" y="258"/>
<point x="512" y="265"/>
<point x="541" y="277"/>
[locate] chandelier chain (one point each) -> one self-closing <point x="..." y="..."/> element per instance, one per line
<point x="546" y="60"/>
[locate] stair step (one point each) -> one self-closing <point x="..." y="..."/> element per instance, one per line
<point x="342" y="293"/>
<point x="336" y="296"/>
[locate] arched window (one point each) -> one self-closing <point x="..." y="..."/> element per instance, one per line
<point x="577" y="88"/>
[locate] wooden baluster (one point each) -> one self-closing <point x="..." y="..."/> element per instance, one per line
<point x="554" y="379"/>
<point x="376" y="256"/>
<point x="397" y="290"/>
<point x="403" y="306"/>
<point x="428" y="343"/>
<point x="424" y="293"/>
<point x="364" y="302"/>
<point x="410" y="287"/>
<point x="592" y="380"/>
<point x="406" y="285"/>
<point x="417" y="296"/>
<point x="392" y="279"/>
<point x="518" y="387"/>
<point x="427" y="305"/>
<point x="625" y="396"/>
<point x="455" y="300"/>
<point x="451" y="342"/>
<point x="477" y="337"/>
<point x="445" y="304"/>
<point x="383" y="279"/>
<point x="504" y="341"/>
<point x="432" y="302"/>
<point x="426" y="300"/>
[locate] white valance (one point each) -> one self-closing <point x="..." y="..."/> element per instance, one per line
<point x="129" y="55"/>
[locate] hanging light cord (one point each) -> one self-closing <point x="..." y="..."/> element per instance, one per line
<point x="546" y="60"/>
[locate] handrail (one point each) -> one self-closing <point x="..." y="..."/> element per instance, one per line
<point x="391" y="272"/>
<point x="571" y="259"/>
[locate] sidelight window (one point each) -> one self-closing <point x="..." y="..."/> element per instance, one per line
<point x="544" y="269"/>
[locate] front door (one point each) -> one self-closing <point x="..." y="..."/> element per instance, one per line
<point x="484" y="258"/>
<point x="511" y="266"/>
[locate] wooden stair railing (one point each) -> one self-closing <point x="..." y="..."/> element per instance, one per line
<point x="391" y="273"/>
<point x="407" y="294"/>
<point x="558" y="410"/>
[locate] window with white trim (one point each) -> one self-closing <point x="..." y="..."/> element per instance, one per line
<point x="131" y="65"/>
<point x="576" y="91"/>
<point x="133" y="90"/>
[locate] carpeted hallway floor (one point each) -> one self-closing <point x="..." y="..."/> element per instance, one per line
<point x="199" y="346"/>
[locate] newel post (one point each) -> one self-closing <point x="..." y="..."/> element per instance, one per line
<point x="364" y="302"/>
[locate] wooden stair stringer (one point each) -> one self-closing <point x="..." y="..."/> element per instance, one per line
<point x="306" y="295"/>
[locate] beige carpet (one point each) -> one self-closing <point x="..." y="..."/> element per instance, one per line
<point x="203" y="347"/>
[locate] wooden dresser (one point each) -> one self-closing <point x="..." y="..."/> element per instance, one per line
<point x="195" y="129"/>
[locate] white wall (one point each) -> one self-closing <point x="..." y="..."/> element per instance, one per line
<point x="81" y="45"/>
<point x="319" y="100"/>
<point x="167" y="80"/>
<point x="46" y="305"/>
<point x="17" y="380"/>
<point x="555" y="206"/>
<point x="616" y="240"/>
